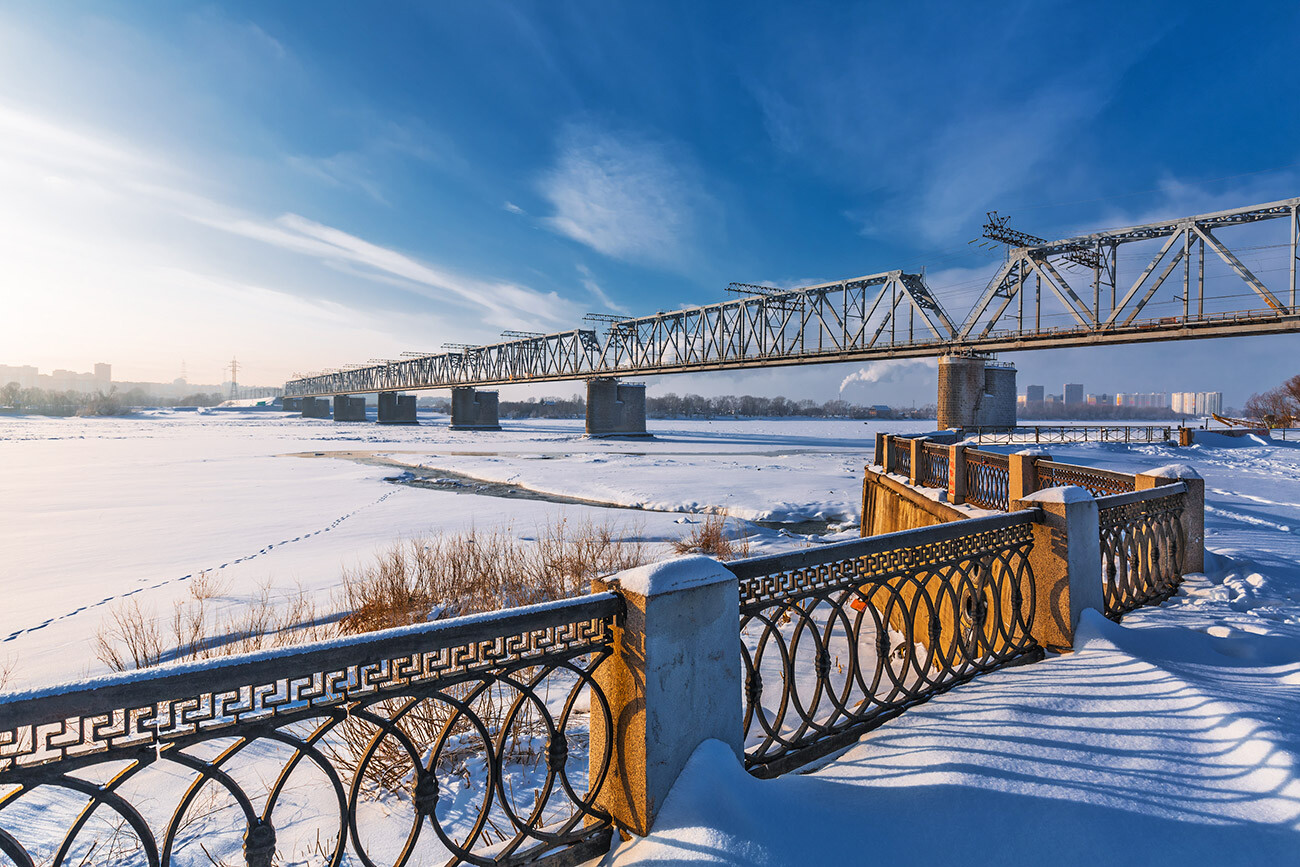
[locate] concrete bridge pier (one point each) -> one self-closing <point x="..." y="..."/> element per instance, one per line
<point x="615" y="409"/>
<point x="396" y="408"/>
<point x="313" y="407"/>
<point x="347" y="408"/>
<point x="291" y="404"/>
<point x="976" y="392"/>
<point x="472" y="409"/>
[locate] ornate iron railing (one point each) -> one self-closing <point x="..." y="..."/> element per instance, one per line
<point x="1141" y="547"/>
<point x="476" y="730"/>
<point x="840" y="638"/>
<point x="902" y="453"/>
<point x="1072" y="434"/>
<point x="988" y="480"/>
<point x="934" y="466"/>
<point x="1100" y="482"/>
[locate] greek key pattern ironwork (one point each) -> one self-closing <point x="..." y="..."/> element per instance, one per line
<point x="1141" y="552"/>
<point x="934" y="466"/>
<point x="468" y="741"/>
<point x="1098" y="481"/>
<point x="836" y="647"/>
<point x="988" y="480"/>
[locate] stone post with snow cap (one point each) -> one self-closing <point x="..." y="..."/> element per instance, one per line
<point x="1193" y="519"/>
<point x="1022" y="472"/>
<point x="1066" y="560"/>
<point x="888" y="463"/>
<point x="881" y="445"/>
<point x="672" y="683"/>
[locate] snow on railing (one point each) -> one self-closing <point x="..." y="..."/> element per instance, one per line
<point x="1099" y="482"/>
<point x="839" y="638"/>
<point x="460" y="741"/>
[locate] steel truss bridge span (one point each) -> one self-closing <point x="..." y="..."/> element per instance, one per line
<point x="894" y="314"/>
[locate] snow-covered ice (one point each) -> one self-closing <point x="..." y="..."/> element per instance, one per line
<point x="97" y="511"/>
<point x="1172" y="738"/>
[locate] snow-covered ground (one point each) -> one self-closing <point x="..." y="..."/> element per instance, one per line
<point x="95" y="512"/>
<point x="1170" y="739"/>
<point x="1173" y="738"/>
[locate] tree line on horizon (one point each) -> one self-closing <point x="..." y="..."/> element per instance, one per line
<point x="40" y="401"/>
<point x="1277" y="407"/>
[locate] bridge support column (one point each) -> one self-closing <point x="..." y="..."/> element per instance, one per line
<point x="291" y="404"/>
<point x="396" y="408"/>
<point x="472" y="409"/>
<point x="315" y="407"/>
<point x="974" y="392"/>
<point x="615" y="409"/>
<point x="348" y="408"/>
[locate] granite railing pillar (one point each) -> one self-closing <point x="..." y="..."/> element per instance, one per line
<point x="881" y="445"/>
<point x="1193" y="519"/>
<point x="1022" y="473"/>
<point x="1066" y="561"/>
<point x="888" y="463"/>
<point x="672" y="683"/>
<point x="956" y="474"/>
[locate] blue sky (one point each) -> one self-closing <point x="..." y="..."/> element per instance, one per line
<point x="309" y="186"/>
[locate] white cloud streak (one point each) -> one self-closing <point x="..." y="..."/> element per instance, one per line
<point x="624" y="196"/>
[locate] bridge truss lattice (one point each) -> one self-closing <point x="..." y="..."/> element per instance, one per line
<point x="894" y="314"/>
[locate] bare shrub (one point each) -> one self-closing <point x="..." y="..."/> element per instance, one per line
<point x="711" y="538"/>
<point x="134" y="637"/>
<point x="131" y="638"/>
<point x="469" y="572"/>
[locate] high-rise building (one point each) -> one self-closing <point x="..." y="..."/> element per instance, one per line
<point x="1073" y="393"/>
<point x="1033" y="394"/>
<point x="104" y="373"/>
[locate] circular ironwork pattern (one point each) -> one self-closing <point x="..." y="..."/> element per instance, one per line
<point x="835" y="649"/>
<point x="1141" y="553"/>
<point x="471" y="753"/>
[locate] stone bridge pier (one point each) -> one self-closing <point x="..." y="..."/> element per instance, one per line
<point x="472" y="409"/>
<point x="291" y="404"/>
<point x="615" y="409"/>
<point x="314" y="407"/>
<point x="976" y="392"/>
<point x="396" y="408"/>
<point x="348" y="408"/>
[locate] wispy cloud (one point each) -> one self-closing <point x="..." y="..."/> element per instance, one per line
<point x="626" y="196"/>
<point x="513" y="208"/>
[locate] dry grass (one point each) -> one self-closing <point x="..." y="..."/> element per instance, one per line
<point x="711" y="538"/>
<point x="465" y="573"/>
<point x="136" y="637"/>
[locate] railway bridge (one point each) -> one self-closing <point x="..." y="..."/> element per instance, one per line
<point x="1223" y="274"/>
